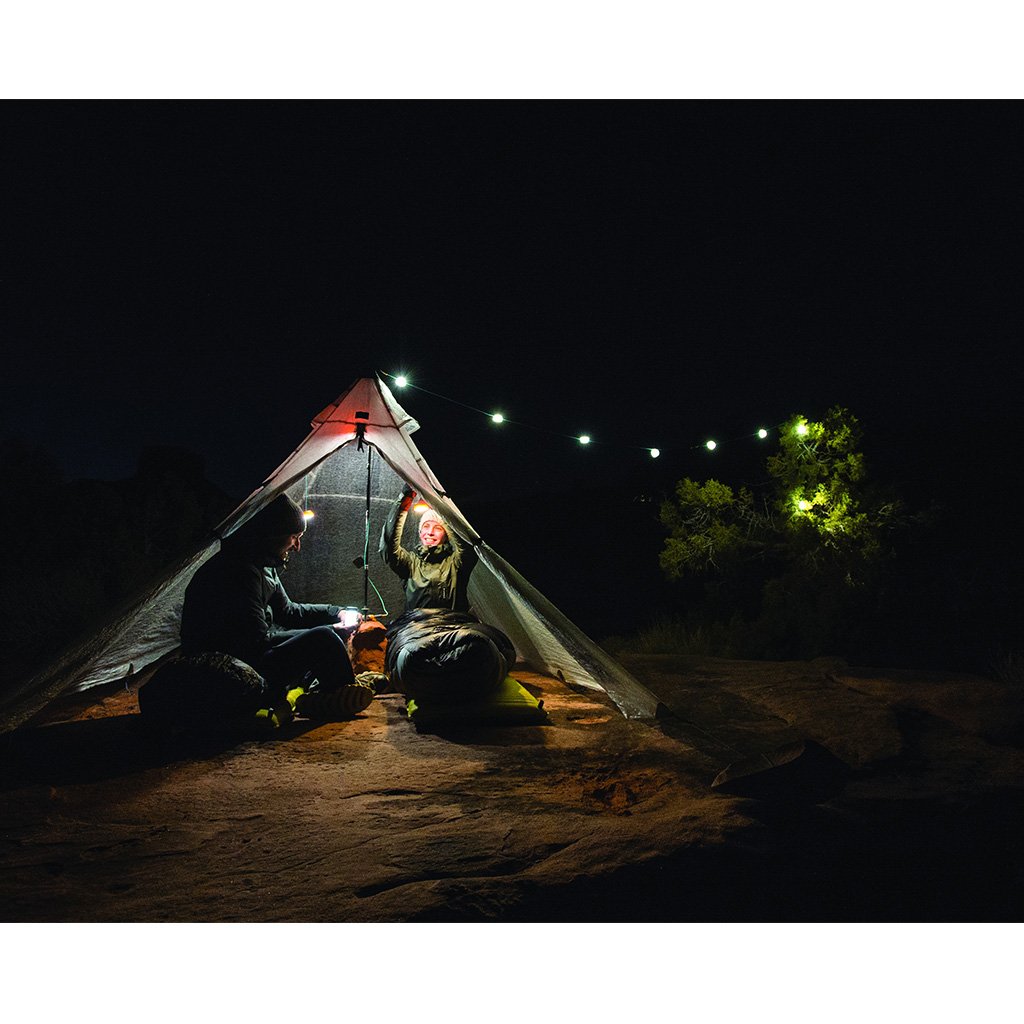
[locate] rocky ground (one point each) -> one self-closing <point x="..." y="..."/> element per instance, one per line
<point x="766" y="792"/>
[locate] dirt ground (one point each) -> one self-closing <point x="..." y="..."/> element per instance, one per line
<point x="801" y="791"/>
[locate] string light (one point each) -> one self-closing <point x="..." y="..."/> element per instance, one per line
<point x="308" y="514"/>
<point x="402" y="381"/>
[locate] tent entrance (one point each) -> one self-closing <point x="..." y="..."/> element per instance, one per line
<point x="329" y="567"/>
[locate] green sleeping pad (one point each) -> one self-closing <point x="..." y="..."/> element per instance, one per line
<point x="509" y="704"/>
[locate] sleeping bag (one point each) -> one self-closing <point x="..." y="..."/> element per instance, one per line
<point x="435" y="655"/>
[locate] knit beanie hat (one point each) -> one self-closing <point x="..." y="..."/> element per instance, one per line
<point x="280" y="518"/>
<point x="430" y="516"/>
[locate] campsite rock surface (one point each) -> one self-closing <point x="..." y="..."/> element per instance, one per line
<point x="893" y="796"/>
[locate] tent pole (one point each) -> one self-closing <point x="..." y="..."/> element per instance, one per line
<point x="366" y="543"/>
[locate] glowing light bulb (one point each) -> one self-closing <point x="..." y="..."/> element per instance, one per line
<point x="308" y="514"/>
<point x="655" y="452"/>
<point x="803" y="504"/>
<point x="762" y="433"/>
<point x="420" y="506"/>
<point x="711" y="445"/>
<point x="401" y="381"/>
<point x="801" y="428"/>
<point x="584" y="439"/>
<point x="497" y="418"/>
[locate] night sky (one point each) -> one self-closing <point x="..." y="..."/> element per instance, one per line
<point x="210" y="275"/>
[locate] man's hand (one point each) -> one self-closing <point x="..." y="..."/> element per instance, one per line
<point x="341" y="626"/>
<point x="343" y="630"/>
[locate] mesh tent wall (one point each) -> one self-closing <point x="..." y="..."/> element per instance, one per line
<point x="348" y="471"/>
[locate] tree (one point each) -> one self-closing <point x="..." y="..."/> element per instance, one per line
<point x="802" y="552"/>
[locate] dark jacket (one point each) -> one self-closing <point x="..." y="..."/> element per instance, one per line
<point x="433" y="577"/>
<point x="237" y="604"/>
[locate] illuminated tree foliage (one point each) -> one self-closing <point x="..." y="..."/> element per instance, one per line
<point x="711" y="528"/>
<point x="800" y="555"/>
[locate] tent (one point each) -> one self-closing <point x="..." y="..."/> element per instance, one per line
<point x="348" y="471"/>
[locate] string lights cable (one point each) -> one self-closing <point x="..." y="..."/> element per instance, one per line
<point x="402" y="382"/>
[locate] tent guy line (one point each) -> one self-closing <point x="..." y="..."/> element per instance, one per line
<point x="402" y="381"/>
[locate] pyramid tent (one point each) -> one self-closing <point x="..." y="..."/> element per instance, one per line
<point x="348" y="470"/>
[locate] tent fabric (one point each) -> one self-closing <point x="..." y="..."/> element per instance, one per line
<point x="545" y="637"/>
<point x="386" y="425"/>
<point x="360" y="442"/>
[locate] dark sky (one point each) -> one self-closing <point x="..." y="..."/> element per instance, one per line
<point x="210" y="275"/>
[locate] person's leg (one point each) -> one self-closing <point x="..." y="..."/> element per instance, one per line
<point x="203" y="691"/>
<point x="319" y="651"/>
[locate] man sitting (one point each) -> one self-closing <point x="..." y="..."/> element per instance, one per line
<point x="237" y="605"/>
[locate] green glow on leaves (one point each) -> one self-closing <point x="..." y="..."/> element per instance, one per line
<point x="801" y="428"/>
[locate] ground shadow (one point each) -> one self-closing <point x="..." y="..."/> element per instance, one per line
<point x="97" y="749"/>
<point x="474" y="735"/>
<point x="922" y="861"/>
<point x="802" y="773"/>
